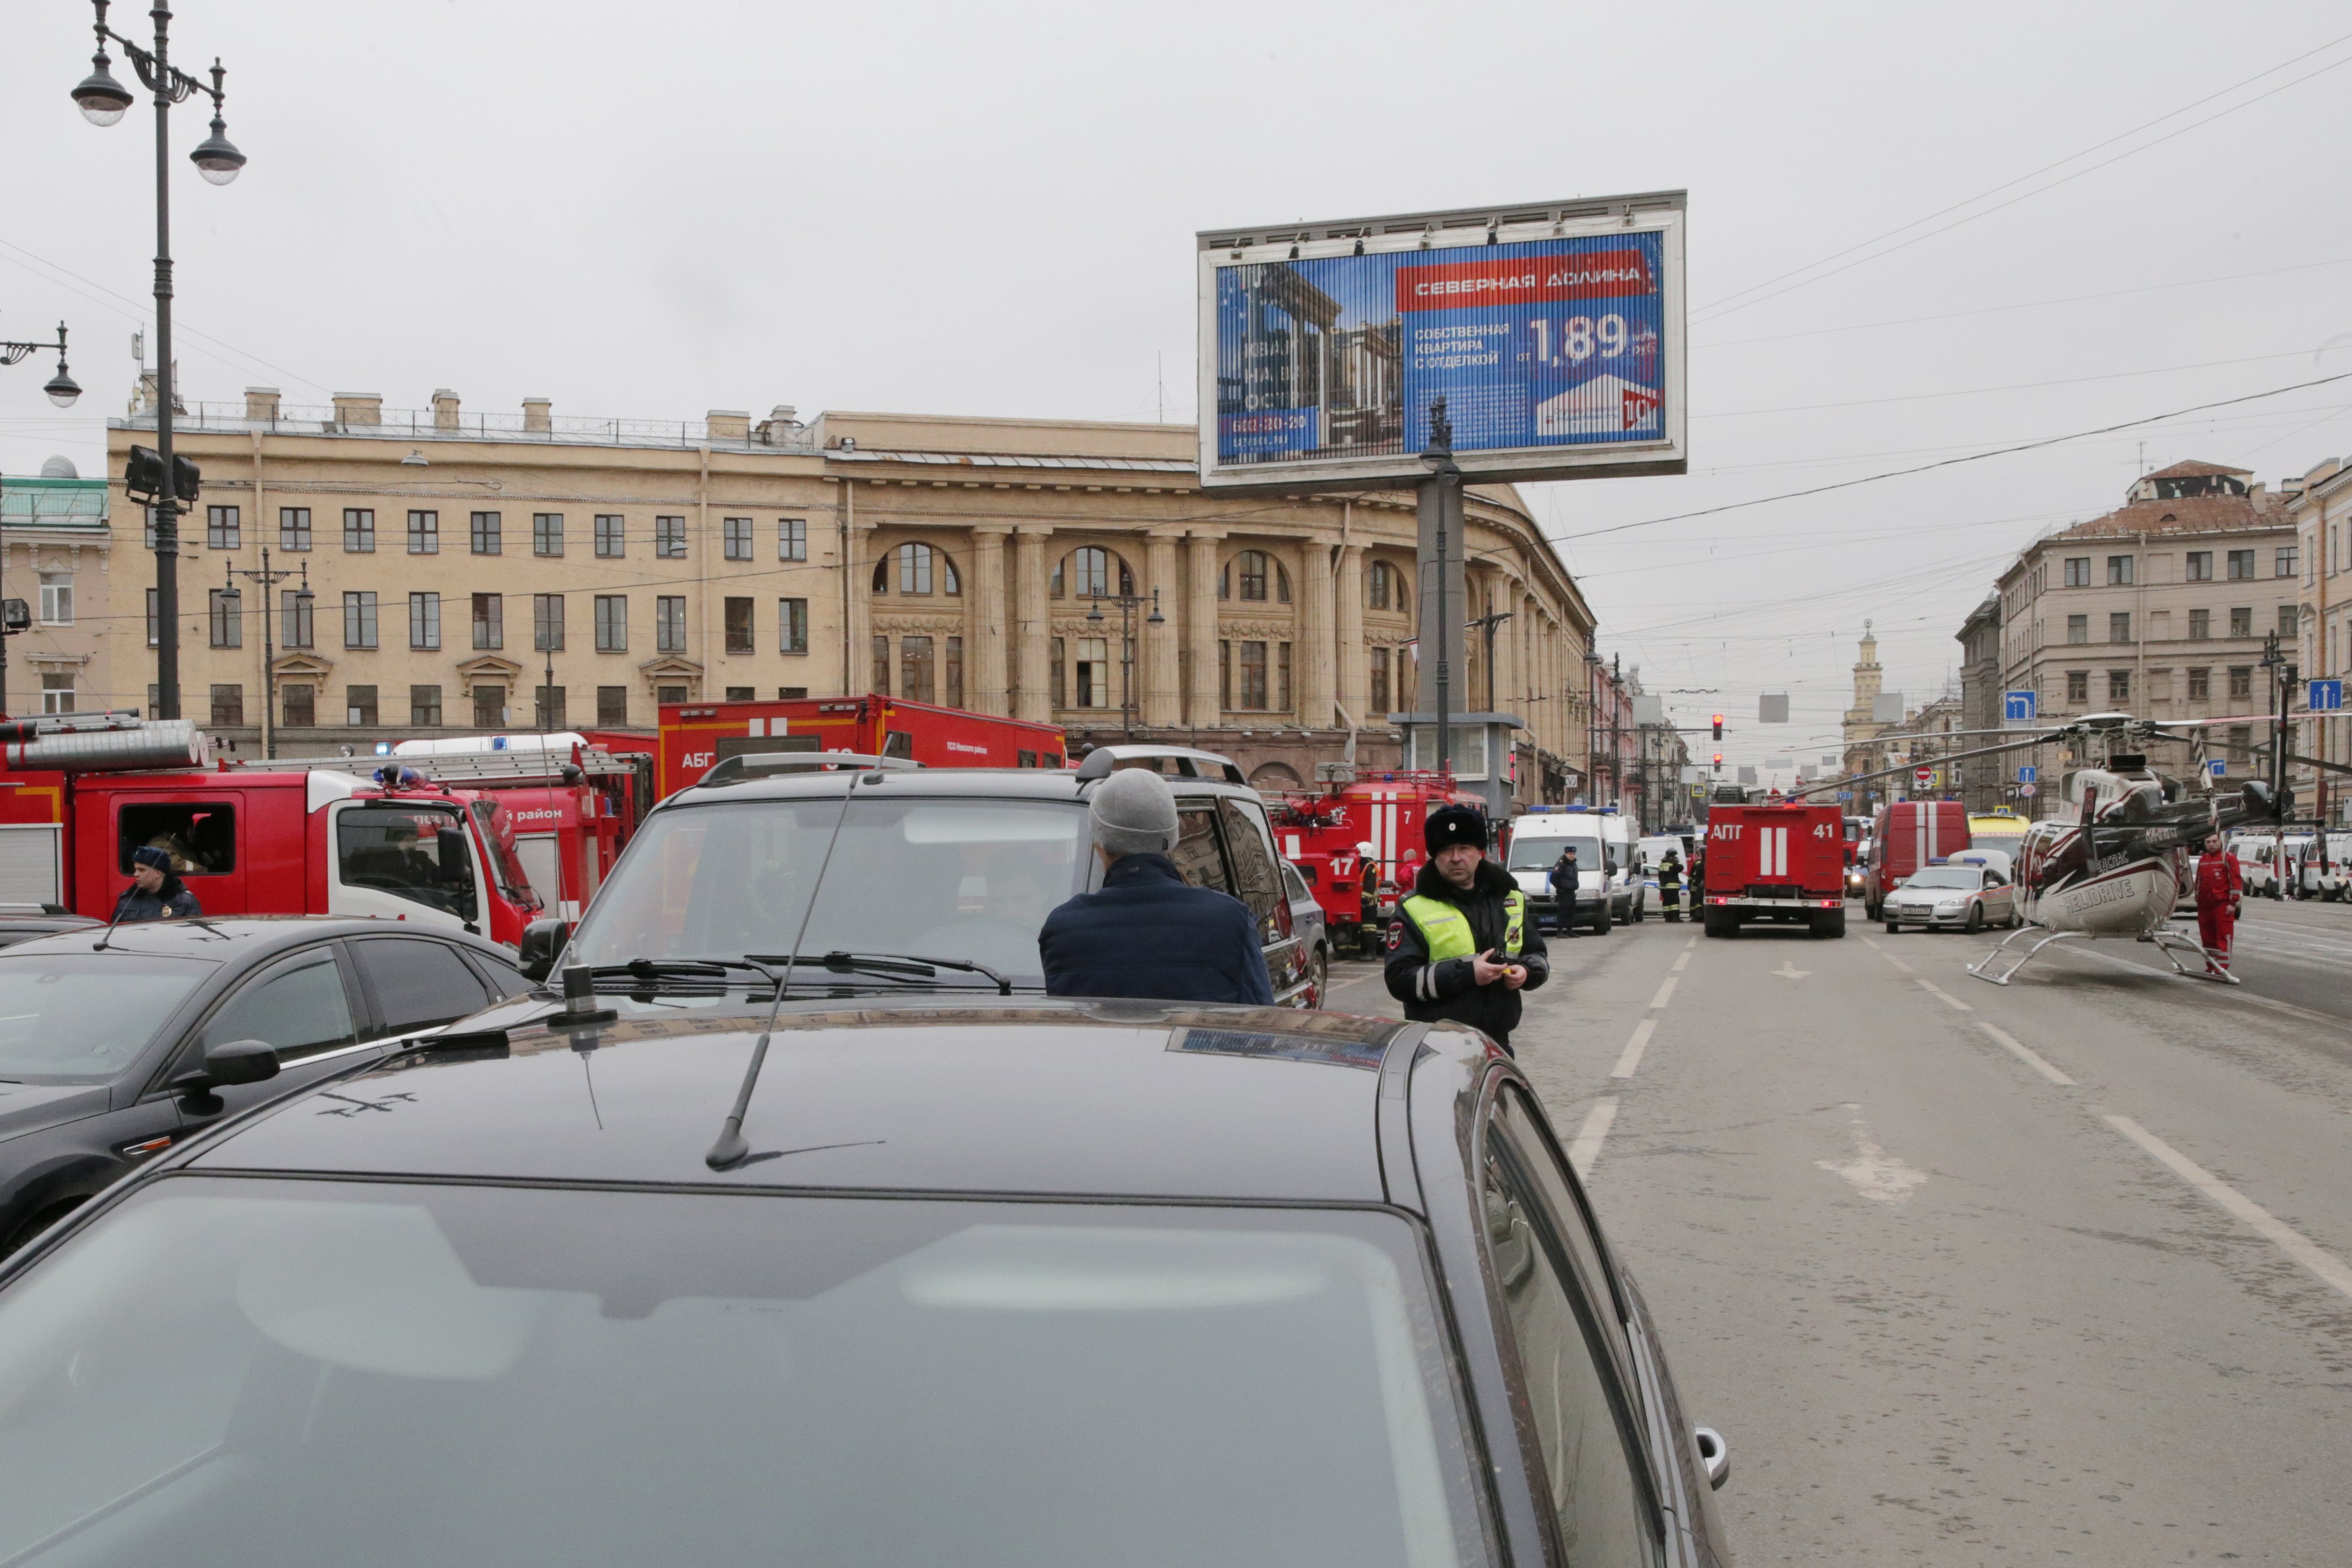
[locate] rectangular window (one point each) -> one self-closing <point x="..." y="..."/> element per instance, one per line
<point x="547" y="708"/>
<point x="2078" y="685"/>
<point x="425" y="622"/>
<point x="2119" y="571"/>
<point x="612" y="705"/>
<point x="792" y="538"/>
<point x="57" y="599"/>
<point x="2119" y="625"/>
<point x="1251" y="695"/>
<point x="792" y="693"/>
<point x="2078" y="628"/>
<point x="547" y="623"/>
<point x="741" y="693"/>
<point x="737" y="538"/>
<point x="57" y="695"/>
<point x="358" y="620"/>
<point x="612" y="535"/>
<point x="612" y="623"/>
<point x="484" y="534"/>
<point x="1224" y="673"/>
<point x="359" y="530"/>
<point x="792" y="624"/>
<point x="1094" y="673"/>
<point x="489" y="621"/>
<point x="224" y="607"/>
<point x="2200" y="624"/>
<point x="489" y="707"/>
<point x="2286" y="558"/>
<point x="953" y="672"/>
<point x="229" y="705"/>
<point x="1282" y="677"/>
<point x="2119" y="685"/>
<point x="294" y="617"/>
<point x="2242" y="682"/>
<point x="294" y="528"/>
<point x="2078" y="570"/>
<point x="738" y="625"/>
<point x="2288" y="620"/>
<point x="669" y="624"/>
<point x="224" y="529"/>
<point x="359" y="706"/>
<point x="424" y="533"/>
<point x="547" y="533"/>
<point x="424" y="706"/>
<point x="299" y="702"/>
<point x="881" y="671"/>
<point x="2242" y="566"/>
<point x="669" y="538"/>
<point x="2200" y="684"/>
<point x="2201" y="567"/>
<point x="916" y="670"/>
<point x="2241" y="621"/>
<point x="1381" y="708"/>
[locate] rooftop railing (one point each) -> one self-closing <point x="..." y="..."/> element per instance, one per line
<point x="429" y="424"/>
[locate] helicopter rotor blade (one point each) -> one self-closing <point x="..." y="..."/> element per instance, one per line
<point x="2041" y="740"/>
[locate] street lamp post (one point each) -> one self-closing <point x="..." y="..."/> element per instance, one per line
<point x="1127" y="604"/>
<point x="62" y="392"/>
<point x="103" y="102"/>
<point x="269" y="579"/>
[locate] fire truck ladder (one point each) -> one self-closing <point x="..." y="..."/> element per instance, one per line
<point x="461" y="767"/>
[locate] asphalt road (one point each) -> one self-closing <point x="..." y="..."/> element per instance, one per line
<point x="2054" y="1272"/>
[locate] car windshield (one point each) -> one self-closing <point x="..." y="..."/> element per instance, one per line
<point x="375" y="1374"/>
<point x="944" y="879"/>
<point x="1968" y="877"/>
<point x="1540" y="854"/>
<point x="82" y="1017"/>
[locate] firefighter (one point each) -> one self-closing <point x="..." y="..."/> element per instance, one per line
<point x="1368" y="907"/>
<point x="2219" y="885"/>
<point x="156" y="892"/>
<point x="1461" y="947"/>
<point x="1670" y="884"/>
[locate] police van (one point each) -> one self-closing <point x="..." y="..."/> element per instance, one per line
<point x="1609" y="890"/>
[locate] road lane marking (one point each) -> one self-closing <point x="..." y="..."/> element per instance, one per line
<point x="1666" y="992"/>
<point x="1869" y="943"/>
<point x="1691" y="943"/>
<point x="1896" y="961"/>
<point x="1934" y="990"/>
<point x="1632" y="1056"/>
<point x="1682" y="959"/>
<point x="1789" y="971"/>
<point x="1873" y="1172"/>
<point x="2286" y="1237"/>
<point x="1586" y="1150"/>
<point x="2025" y="1054"/>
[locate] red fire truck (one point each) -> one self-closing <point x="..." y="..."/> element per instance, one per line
<point x="696" y="736"/>
<point x="571" y="804"/>
<point x="1775" y="863"/>
<point x="1335" y="836"/>
<point x="1906" y="836"/>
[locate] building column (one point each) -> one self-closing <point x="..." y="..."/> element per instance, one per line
<point x="985" y="688"/>
<point x="1350" y="656"/>
<point x="1157" y="645"/>
<point x="1204" y="710"/>
<point x="1312" y="656"/>
<point x="1032" y="697"/>
<point x="857" y="600"/>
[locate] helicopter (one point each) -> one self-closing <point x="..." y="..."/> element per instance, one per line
<point x="2112" y="865"/>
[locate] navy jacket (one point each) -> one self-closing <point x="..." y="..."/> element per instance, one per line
<point x="1148" y="934"/>
<point x="172" y="903"/>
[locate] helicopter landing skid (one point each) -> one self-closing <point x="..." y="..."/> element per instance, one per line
<point x="2173" y="943"/>
<point x="1983" y="969"/>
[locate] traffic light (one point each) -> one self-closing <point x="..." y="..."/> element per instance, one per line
<point x="142" y="475"/>
<point x="1718" y="759"/>
<point x="1718" y="731"/>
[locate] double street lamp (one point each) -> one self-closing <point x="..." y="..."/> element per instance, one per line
<point x="103" y="102"/>
<point x="1127" y="604"/>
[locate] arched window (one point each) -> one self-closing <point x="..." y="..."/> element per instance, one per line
<point x="1089" y="572"/>
<point x="1403" y="595"/>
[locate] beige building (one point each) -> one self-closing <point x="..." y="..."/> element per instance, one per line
<point x="450" y="557"/>
<point x="2159" y="608"/>
<point x="2320" y="503"/>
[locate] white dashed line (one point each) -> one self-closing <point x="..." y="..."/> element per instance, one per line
<point x="1933" y="989"/>
<point x="1867" y="942"/>
<point x="1894" y="961"/>
<point x="1691" y="943"/>
<point x="1682" y="961"/>
<point x="1632" y="1056"/>
<point x="1586" y="1150"/>
<point x="2025" y="1054"/>
<point x="2284" y="1236"/>
<point x="1666" y="993"/>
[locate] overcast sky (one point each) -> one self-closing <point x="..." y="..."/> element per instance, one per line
<point x="655" y="211"/>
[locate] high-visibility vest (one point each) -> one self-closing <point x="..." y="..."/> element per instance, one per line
<point x="1445" y="930"/>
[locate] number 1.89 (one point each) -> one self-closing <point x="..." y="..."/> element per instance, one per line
<point x="1579" y="336"/>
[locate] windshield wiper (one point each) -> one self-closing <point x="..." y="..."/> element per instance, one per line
<point x="913" y="966"/>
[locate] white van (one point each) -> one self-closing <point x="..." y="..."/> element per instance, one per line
<point x="1609" y="890"/>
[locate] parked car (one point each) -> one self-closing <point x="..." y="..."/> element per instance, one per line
<point x="1306" y="924"/>
<point x="115" y="1046"/>
<point x="1318" y="1287"/>
<point x="22" y="922"/>
<point x="1958" y="897"/>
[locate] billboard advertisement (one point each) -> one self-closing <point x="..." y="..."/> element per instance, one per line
<point x="1549" y="340"/>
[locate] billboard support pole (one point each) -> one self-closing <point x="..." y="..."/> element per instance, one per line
<point x="1439" y="503"/>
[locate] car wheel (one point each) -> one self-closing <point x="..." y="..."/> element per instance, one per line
<point x="1641" y="909"/>
<point x="1600" y="920"/>
<point x="1894" y="928"/>
<point x="1976" y="919"/>
<point x="1319" y="978"/>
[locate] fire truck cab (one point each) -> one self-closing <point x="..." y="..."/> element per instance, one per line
<point x="1775" y="863"/>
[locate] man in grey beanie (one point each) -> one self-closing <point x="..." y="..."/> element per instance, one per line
<point x="1146" y="933"/>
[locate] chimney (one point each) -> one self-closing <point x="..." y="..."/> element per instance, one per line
<point x="261" y="404"/>
<point x="536" y="415"/>
<point x="444" y="409"/>
<point x="728" y="424"/>
<point x="358" y="409"/>
<point x="780" y="427"/>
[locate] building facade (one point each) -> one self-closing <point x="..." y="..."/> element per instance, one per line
<point x="1983" y="779"/>
<point x="57" y="553"/>
<point x="2320" y="503"/>
<point x="479" y="573"/>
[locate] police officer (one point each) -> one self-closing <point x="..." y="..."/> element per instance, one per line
<point x="156" y="892"/>
<point x="1670" y="884"/>
<point x="1564" y="882"/>
<point x="1461" y="948"/>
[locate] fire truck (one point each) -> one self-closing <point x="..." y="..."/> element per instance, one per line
<point x="571" y="805"/>
<point x="1775" y="863"/>
<point x="1338" y="835"/>
<point x="79" y="792"/>
<point x="698" y="736"/>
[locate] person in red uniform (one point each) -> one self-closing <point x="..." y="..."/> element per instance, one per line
<point x="2220" y="884"/>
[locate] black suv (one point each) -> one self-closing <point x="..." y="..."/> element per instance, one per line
<point x="889" y="863"/>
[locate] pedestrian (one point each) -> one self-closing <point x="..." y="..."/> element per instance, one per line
<point x="1146" y="933"/>
<point x="1564" y="881"/>
<point x="2219" y="887"/>
<point x="1670" y="885"/>
<point x="1461" y="948"/>
<point x="156" y="892"/>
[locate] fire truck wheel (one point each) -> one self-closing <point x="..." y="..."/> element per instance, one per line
<point x="1718" y="923"/>
<point x="1829" y="922"/>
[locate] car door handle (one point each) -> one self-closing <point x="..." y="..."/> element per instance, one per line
<point x="1714" y="1455"/>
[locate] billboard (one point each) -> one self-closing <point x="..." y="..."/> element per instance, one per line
<point x="1549" y="339"/>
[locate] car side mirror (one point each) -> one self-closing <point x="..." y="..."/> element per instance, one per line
<point x="542" y="943"/>
<point x="230" y="1061"/>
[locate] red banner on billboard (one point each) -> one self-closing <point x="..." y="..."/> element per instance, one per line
<point x="1521" y="280"/>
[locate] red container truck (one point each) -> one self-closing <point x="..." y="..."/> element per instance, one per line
<point x="1784" y="863"/>
<point x="1906" y="836"/>
<point x="698" y="736"/>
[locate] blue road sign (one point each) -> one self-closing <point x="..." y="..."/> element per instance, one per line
<point x="2327" y="695"/>
<point x="2216" y="766"/>
<point x="2019" y="707"/>
<point x="2028" y="774"/>
<point x="1845" y="794"/>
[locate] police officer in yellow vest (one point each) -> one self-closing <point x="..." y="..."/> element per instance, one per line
<point x="1461" y="947"/>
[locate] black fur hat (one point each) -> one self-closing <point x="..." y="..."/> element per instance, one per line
<point x="1452" y="825"/>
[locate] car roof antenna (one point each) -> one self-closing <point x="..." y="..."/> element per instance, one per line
<point x="121" y="904"/>
<point x="730" y="1149"/>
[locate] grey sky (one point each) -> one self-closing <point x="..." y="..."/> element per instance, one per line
<point x="655" y="211"/>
